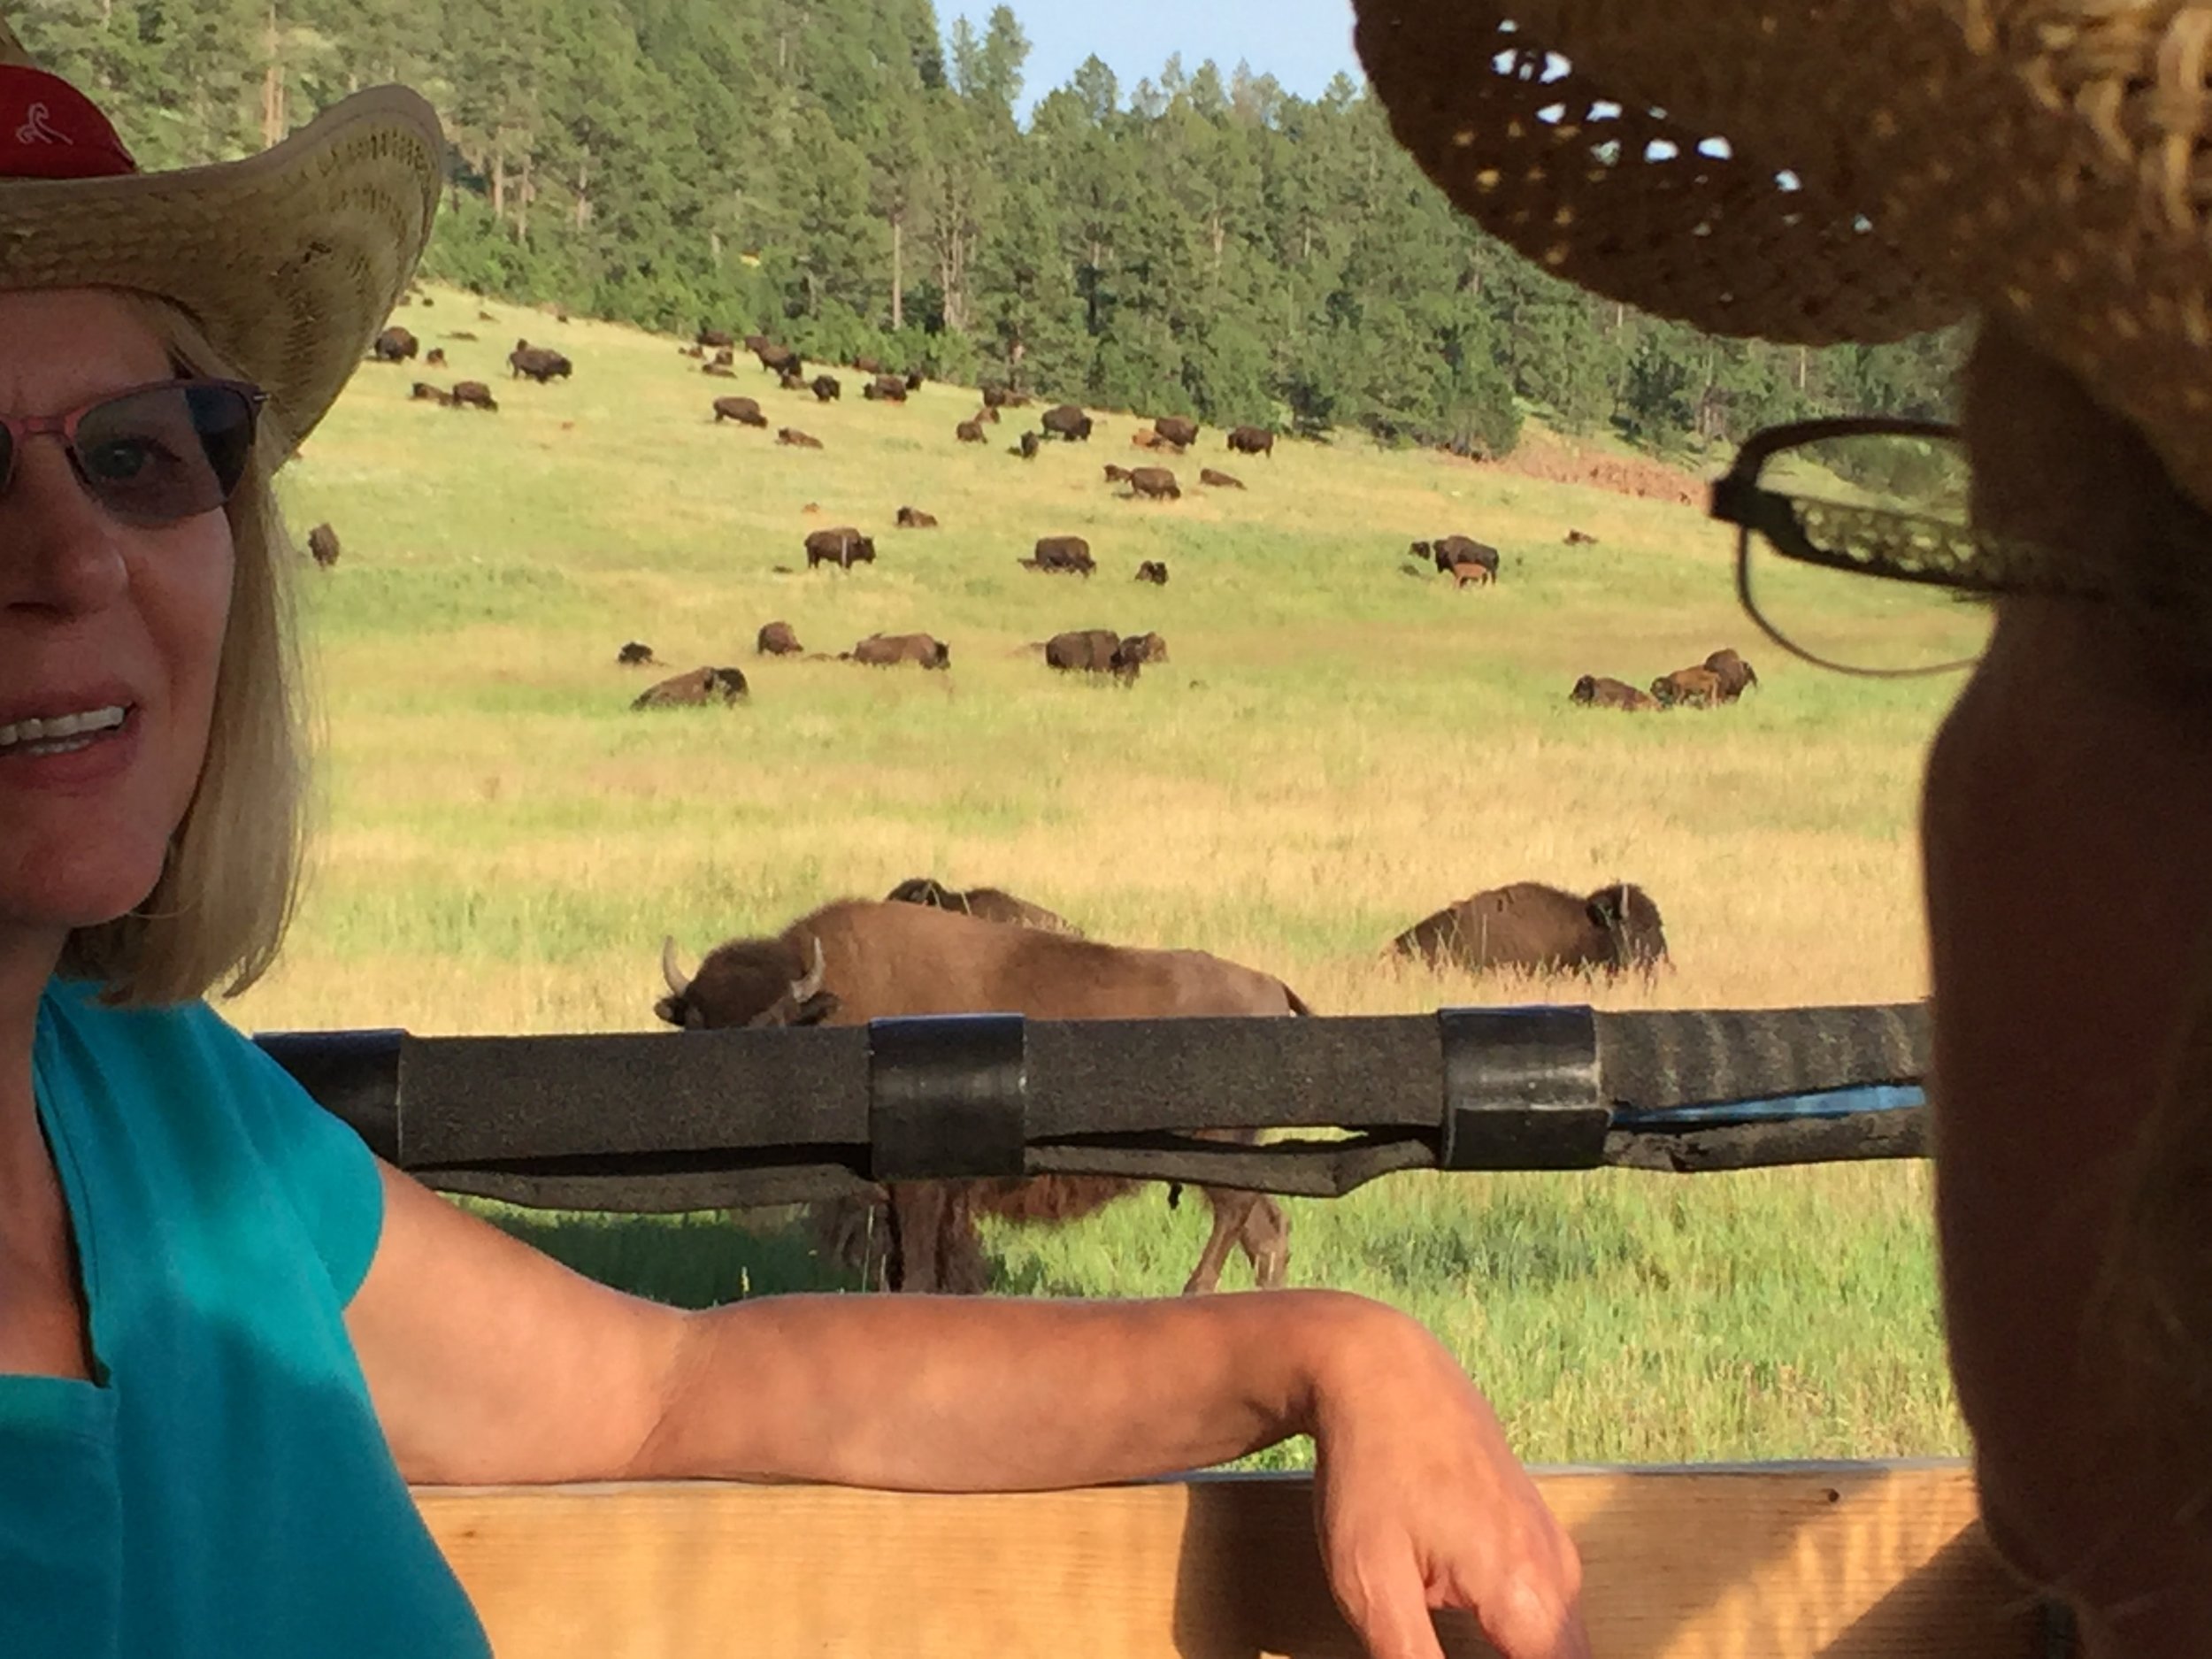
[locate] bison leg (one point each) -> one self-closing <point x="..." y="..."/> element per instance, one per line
<point x="1231" y="1211"/>
<point x="934" y="1247"/>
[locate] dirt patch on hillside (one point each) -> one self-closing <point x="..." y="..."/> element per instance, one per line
<point x="1542" y="455"/>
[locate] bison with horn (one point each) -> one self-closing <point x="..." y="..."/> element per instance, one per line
<point x="857" y="960"/>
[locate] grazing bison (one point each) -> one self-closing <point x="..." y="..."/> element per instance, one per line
<point x="1580" y="538"/>
<point x="1061" y="553"/>
<point x="1538" y="929"/>
<point x="1450" y="550"/>
<point x="1691" y="687"/>
<point x="970" y="431"/>
<point x="470" y="395"/>
<point x="916" y="379"/>
<point x="322" y="545"/>
<point x="434" y="358"/>
<point x="695" y="689"/>
<point x="394" y="345"/>
<point x="720" y="339"/>
<point x="778" y="360"/>
<point x="1597" y="691"/>
<point x="1065" y="421"/>
<point x="1091" y="650"/>
<point x="1601" y="691"/>
<point x="1028" y="448"/>
<point x="1155" y="483"/>
<point x="868" y="365"/>
<point x="1117" y="474"/>
<point x="915" y="518"/>
<point x="853" y="961"/>
<point x="777" y="639"/>
<point x="887" y="650"/>
<point x="999" y="397"/>
<point x="840" y="545"/>
<point x="636" y="654"/>
<point x="1179" y="430"/>
<point x="1152" y="570"/>
<point x="793" y="438"/>
<point x="744" y="410"/>
<point x="884" y="388"/>
<point x="827" y="389"/>
<point x="1252" y="441"/>
<point x="1734" y="674"/>
<point x="537" y="363"/>
<point x="986" y="905"/>
<point x="985" y="413"/>
<point x="426" y="393"/>
<point x="1219" y="480"/>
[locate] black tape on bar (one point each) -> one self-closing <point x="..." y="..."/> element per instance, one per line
<point x="946" y="1097"/>
<point x="352" y="1074"/>
<point x="1521" y="1089"/>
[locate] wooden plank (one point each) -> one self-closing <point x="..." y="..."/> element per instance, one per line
<point x="1862" y="1561"/>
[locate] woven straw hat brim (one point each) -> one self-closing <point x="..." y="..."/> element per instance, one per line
<point x="2045" y="158"/>
<point x="291" y="261"/>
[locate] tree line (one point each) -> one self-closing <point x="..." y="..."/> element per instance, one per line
<point x="846" y="177"/>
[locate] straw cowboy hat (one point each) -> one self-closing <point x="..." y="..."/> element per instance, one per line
<point x="289" y="260"/>
<point x="1846" y="172"/>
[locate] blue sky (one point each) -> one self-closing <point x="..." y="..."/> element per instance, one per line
<point x="1300" y="42"/>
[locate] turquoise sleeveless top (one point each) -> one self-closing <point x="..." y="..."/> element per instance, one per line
<point x="222" y="1489"/>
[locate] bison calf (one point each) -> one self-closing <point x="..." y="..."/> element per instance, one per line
<point x="1218" y="480"/>
<point x="636" y="654"/>
<point x="1597" y="691"/>
<point x="793" y="438"/>
<point x="777" y="639"/>
<point x="1154" y="572"/>
<point x="322" y="545"/>
<point x="887" y="650"/>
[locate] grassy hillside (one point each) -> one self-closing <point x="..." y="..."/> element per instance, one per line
<point x="1336" y="749"/>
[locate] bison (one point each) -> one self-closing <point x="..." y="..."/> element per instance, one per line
<point x="471" y="394"/>
<point x="1144" y="647"/>
<point x="884" y="388"/>
<point x="720" y="371"/>
<point x="695" y="689"/>
<point x="744" y="410"/>
<point x="853" y="961"/>
<point x="394" y="345"/>
<point x="426" y="393"/>
<point x="720" y="339"/>
<point x="1451" y="550"/>
<point x="726" y="355"/>
<point x="1091" y="650"/>
<point x="1580" y="538"/>
<point x="827" y="389"/>
<point x="915" y="518"/>
<point x="1152" y="570"/>
<point x="1179" y="430"/>
<point x="537" y="363"/>
<point x="1734" y="674"/>
<point x="1691" y="687"/>
<point x="434" y="358"/>
<point x="867" y="365"/>
<point x="1155" y="483"/>
<point x="777" y="360"/>
<point x="1067" y="422"/>
<point x="322" y="545"/>
<point x="916" y="379"/>
<point x="970" y="431"/>
<point x="791" y="437"/>
<point x="1538" y="929"/>
<point x="887" y="650"/>
<point x="1597" y="691"/>
<point x="1117" y="474"/>
<point x="1472" y="575"/>
<point x="840" y="545"/>
<point x="1252" y="441"/>
<point x="1063" y="553"/>
<point x="636" y="654"/>
<point x="1143" y="439"/>
<point x="1219" y="480"/>
<point x="986" y="905"/>
<point x="995" y="396"/>
<point x="792" y="381"/>
<point x="777" y="639"/>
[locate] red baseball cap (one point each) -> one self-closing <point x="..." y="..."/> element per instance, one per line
<point x="50" y="130"/>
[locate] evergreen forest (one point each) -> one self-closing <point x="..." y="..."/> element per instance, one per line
<point x="852" y="178"/>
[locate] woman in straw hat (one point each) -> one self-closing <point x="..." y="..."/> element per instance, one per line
<point x="227" y="1336"/>
<point x="1857" y="173"/>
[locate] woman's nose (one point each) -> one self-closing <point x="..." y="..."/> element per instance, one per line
<point x="60" y="553"/>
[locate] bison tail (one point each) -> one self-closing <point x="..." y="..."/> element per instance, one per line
<point x="1297" y="1004"/>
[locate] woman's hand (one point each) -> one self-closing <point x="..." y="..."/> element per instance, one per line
<point x="1421" y="1504"/>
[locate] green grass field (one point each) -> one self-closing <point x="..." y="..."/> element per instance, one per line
<point x="1336" y="749"/>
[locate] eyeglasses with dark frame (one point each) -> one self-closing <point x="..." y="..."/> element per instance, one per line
<point x="1938" y="554"/>
<point x="151" y="454"/>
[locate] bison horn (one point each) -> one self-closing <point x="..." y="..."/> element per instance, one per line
<point x="678" y="983"/>
<point x="802" y="988"/>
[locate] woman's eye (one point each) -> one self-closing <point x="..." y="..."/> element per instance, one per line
<point x="121" y="459"/>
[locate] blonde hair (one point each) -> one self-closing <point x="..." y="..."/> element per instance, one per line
<point x="217" y="914"/>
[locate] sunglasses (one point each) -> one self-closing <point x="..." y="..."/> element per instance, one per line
<point x="154" y="453"/>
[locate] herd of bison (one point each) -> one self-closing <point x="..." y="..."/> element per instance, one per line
<point x="926" y="949"/>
